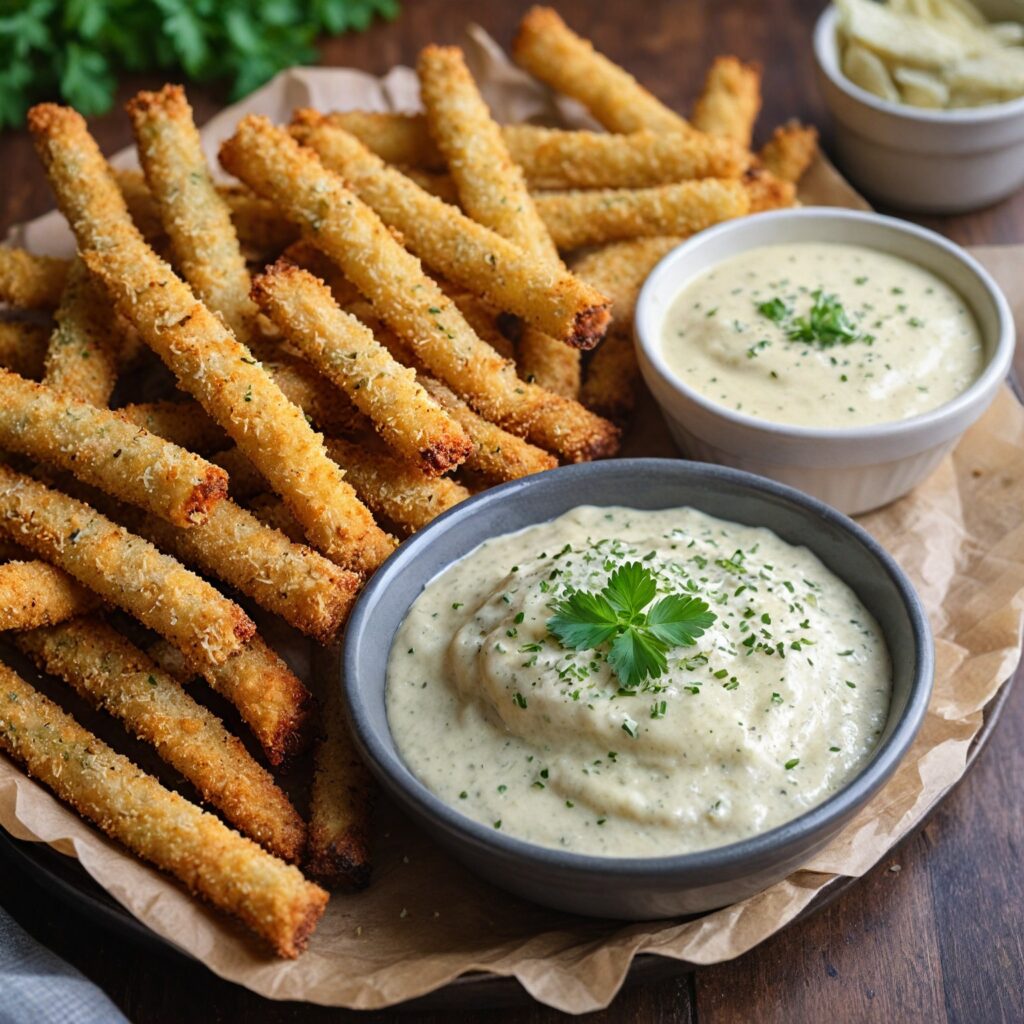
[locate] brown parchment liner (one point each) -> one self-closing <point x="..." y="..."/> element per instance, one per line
<point x="426" y="920"/>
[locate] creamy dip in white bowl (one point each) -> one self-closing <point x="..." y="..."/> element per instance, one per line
<point x="855" y="460"/>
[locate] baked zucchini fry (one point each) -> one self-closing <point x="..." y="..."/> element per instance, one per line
<point x="497" y="455"/>
<point x="85" y="348"/>
<point x="345" y="351"/>
<point x="270" y="510"/>
<point x="182" y="423"/>
<point x="122" y="568"/>
<point x="492" y="190"/>
<point x="463" y="251"/>
<point x="411" y="304"/>
<point x="110" y="672"/>
<point x="619" y="269"/>
<point x="790" y="151"/>
<point x="402" y="139"/>
<point x="38" y="594"/>
<point x="31" y="282"/>
<point x="207" y="359"/>
<point x="261" y="230"/>
<point x="244" y="479"/>
<point x="556" y="158"/>
<point x="394" y="488"/>
<point x="271" y="699"/>
<point x="552" y="158"/>
<point x="730" y="100"/>
<point x="307" y="590"/>
<point x="341" y="799"/>
<point x="104" y="450"/>
<point x="213" y="861"/>
<point x="547" y="48"/>
<point x="23" y="347"/>
<point x="575" y="219"/>
<point x="327" y="408"/>
<point x="195" y="217"/>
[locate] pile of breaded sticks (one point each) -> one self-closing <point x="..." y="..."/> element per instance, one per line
<point x="415" y="335"/>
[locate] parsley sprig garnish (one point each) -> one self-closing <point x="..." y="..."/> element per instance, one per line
<point x="640" y="637"/>
<point x="827" y="324"/>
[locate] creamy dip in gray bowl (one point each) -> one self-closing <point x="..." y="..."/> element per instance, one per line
<point x="586" y="878"/>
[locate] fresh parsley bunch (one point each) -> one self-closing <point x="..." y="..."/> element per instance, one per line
<point x="75" y="49"/>
<point x="640" y="637"/>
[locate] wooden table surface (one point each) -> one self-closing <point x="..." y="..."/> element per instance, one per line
<point x="934" y="933"/>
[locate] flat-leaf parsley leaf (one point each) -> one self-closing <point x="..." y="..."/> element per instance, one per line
<point x="639" y="639"/>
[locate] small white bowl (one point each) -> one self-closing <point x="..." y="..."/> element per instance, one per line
<point x="935" y="161"/>
<point x="855" y="469"/>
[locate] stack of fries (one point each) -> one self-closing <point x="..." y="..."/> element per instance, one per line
<point x="429" y="285"/>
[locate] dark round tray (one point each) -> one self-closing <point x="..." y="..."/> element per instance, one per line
<point x="64" y="876"/>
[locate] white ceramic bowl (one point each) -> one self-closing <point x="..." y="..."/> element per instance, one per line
<point x="855" y="469"/>
<point x="937" y="161"/>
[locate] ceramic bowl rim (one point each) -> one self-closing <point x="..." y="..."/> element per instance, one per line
<point x="996" y="366"/>
<point x="756" y="850"/>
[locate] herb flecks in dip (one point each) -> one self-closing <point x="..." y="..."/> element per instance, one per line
<point x="776" y="702"/>
<point x="822" y="335"/>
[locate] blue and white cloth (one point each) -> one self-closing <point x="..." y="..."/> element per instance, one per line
<point x="37" y="987"/>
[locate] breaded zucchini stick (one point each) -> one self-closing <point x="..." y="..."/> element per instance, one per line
<point x="341" y="800"/>
<point x="182" y="423"/>
<point x="85" y="348"/>
<point x="271" y="699"/>
<point x="328" y="409"/>
<point x="208" y="361"/>
<point x="492" y="190"/>
<point x="394" y="488"/>
<point x="307" y="590"/>
<point x="122" y="568"/>
<point x="231" y="872"/>
<point x="465" y="252"/>
<point x="110" y="672"/>
<point x="261" y="230"/>
<point x="104" y="450"/>
<point x="401" y="139"/>
<point x="195" y="217"/>
<point x="345" y="351"/>
<point x="790" y="151"/>
<point x="575" y="219"/>
<point x="270" y="510"/>
<point x="621" y="268"/>
<point x="730" y="100"/>
<point x="38" y="594"/>
<point x="23" y="347"/>
<point x="556" y="158"/>
<point x="498" y="455"/>
<point x="403" y="296"/>
<point x="553" y="158"/>
<point x="547" y="48"/>
<point x="31" y="282"/>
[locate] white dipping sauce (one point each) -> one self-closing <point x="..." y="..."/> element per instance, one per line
<point x="778" y="704"/>
<point x="912" y="343"/>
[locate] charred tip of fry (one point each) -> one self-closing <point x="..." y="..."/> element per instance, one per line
<point x="589" y="326"/>
<point x="439" y="458"/>
<point x="211" y="489"/>
<point x="341" y="860"/>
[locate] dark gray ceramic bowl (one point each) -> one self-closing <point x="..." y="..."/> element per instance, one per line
<point x="648" y="887"/>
